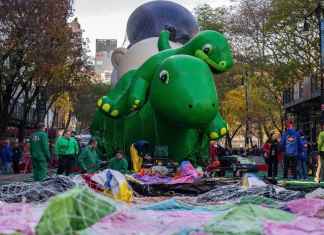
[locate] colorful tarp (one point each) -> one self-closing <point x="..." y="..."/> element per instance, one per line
<point x="147" y="222"/>
<point x="18" y="218"/>
<point x="245" y="220"/>
<point x="302" y="225"/>
<point x="186" y="174"/>
<point x="307" y="207"/>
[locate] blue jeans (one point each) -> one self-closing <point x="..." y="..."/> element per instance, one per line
<point x="302" y="169"/>
<point x="6" y="167"/>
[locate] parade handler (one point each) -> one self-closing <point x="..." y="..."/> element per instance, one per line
<point x="89" y="160"/>
<point x="40" y="153"/>
<point x="67" y="149"/>
<point x="119" y="163"/>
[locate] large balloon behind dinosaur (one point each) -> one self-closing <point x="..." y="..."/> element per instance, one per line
<point x="125" y="59"/>
<point x="149" y="19"/>
<point x="143" y="29"/>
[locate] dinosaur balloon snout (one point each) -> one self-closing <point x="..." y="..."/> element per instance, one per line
<point x="200" y="112"/>
<point x="205" y="107"/>
<point x="189" y="98"/>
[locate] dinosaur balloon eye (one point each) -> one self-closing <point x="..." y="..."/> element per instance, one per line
<point x="164" y="76"/>
<point x="207" y="48"/>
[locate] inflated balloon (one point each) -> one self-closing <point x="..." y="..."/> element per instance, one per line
<point x="170" y="100"/>
<point x="181" y="110"/>
<point x="124" y="59"/>
<point x="149" y="19"/>
<point x="209" y="46"/>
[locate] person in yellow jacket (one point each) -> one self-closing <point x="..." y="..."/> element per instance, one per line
<point x="67" y="149"/>
<point x="320" y="147"/>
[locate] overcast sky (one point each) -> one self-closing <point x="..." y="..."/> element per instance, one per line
<point x="108" y="18"/>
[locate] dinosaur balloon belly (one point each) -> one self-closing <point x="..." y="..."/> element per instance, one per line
<point x="181" y="110"/>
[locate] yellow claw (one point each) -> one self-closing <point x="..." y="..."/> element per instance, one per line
<point x="134" y="106"/>
<point x="223" y="131"/>
<point x="114" y="113"/>
<point x="106" y="107"/>
<point x="213" y="135"/>
<point x="99" y="102"/>
<point x="137" y="102"/>
<point x="227" y="126"/>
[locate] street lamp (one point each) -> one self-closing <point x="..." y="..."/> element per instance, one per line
<point x="319" y="11"/>
<point x="247" y="126"/>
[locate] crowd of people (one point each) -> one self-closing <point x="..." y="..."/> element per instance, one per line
<point x="295" y="151"/>
<point x="10" y="155"/>
<point x="67" y="151"/>
<point x="291" y="149"/>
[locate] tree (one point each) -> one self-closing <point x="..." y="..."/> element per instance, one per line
<point x="39" y="58"/>
<point x="211" y="18"/>
<point x="85" y="99"/>
<point x="270" y="46"/>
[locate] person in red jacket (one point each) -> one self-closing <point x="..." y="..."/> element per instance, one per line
<point x="214" y="162"/>
<point x="266" y="148"/>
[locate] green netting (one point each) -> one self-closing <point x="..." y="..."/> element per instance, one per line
<point x="245" y="219"/>
<point x="298" y="185"/>
<point x="72" y="211"/>
<point x="259" y="200"/>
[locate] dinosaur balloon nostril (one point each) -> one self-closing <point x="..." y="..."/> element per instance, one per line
<point x="222" y="64"/>
<point x="190" y="106"/>
<point x="214" y="105"/>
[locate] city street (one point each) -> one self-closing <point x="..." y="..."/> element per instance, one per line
<point x="161" y="117"/>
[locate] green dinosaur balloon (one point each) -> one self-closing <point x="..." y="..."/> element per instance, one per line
<point x="131" y="92"/>
<point x="170" y="100"/>
<point x="181" y="110"/>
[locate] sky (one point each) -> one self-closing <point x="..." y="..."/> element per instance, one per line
<point x="107" y="19"/>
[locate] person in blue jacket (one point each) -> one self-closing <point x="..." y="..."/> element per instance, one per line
<point x="302" y="158"/>
<point x="291" y="147"/>
<point x="6" y="157"/>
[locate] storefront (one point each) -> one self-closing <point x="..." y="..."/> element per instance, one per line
<point x="302" y="105"/>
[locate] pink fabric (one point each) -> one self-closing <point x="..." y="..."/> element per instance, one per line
<point x="18" y="217"/>
<point x="300" y="226"/>
<point x="151" y="222"/>
<point x="307" y="207"/>
<point x="186" y="174"/>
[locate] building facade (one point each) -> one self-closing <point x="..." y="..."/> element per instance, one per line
<point x="302" y="105"/>
<point x="104" y="49"/>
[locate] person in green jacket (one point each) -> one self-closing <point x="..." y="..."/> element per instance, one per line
<point x="89" y="160"/>
<point x="39" y="152"/>
<point x="119" y="163"/>
<point x="320" y="147"/>
<point x="66" y="148"/>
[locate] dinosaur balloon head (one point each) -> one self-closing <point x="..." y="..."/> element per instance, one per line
<point x="213" y="48"/>
<point x="184" y="96"/>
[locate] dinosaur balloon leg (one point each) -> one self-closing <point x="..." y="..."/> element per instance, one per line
<point x="218" y="128"/>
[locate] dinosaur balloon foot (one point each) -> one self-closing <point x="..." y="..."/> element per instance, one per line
<point x="219" y="132"/>
<point x="136" y="104"/>
<point x="107" y="106"/>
